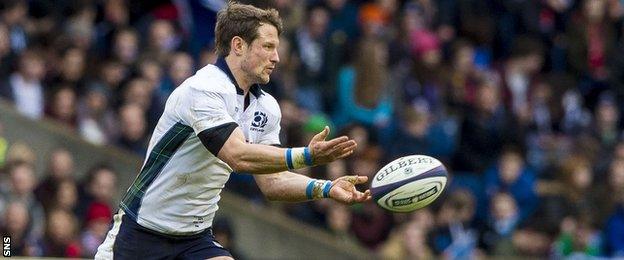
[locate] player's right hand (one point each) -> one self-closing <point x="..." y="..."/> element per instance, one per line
<point x="327" y="151"/>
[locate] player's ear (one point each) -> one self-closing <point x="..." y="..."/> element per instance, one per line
<point x="238" y="45"/>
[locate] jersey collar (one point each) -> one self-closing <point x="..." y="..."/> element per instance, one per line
<point x="222" y="65"/>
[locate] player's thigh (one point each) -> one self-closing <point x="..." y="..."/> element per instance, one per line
<point x="133" y="243"/>
<point x="203" y="248"/>
<point x="221" y="258"/>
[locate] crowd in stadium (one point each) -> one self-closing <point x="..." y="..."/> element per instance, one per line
<point x="520" y="99"/>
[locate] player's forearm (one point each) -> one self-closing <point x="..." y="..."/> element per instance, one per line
<point x="259" y="159"/>
<point x="284" y="186"/>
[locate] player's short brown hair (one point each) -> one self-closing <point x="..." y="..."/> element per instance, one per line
<point x="243" y="21"/>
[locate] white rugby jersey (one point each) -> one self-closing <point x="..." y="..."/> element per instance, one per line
<point x="178" y="188"/>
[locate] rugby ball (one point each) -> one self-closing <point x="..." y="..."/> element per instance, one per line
<point x="409" y="183"/>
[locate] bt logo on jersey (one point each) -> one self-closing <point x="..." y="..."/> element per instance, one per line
<point x="259" y="121"/>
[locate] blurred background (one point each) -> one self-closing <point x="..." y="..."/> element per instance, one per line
<point x="520" y="99"/>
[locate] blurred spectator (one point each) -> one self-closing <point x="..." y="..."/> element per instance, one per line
<point x="7" y="55"/>
<point x="462" y="78"/>
<point x="141" y="92"/>
<point x="609" y="192"/>
<point x="367" y="162"/>
<point x="486" y="131"/>
<point x="16" y="223"/>
<point x="590" y="37"/>
<point x="98" y="188"/>
<point x="112" y="73"/>
<point x="576" y="117"/>
<point x="60" y="238"/>
<point x="577" y="178"/>
<point x="371" y="224"/>
<point x="339" y="222"/>
<point x="20" y="151"/>
<point x="529" y="242"/>
<point x="60" y="168"/>
<point x="180" y="68"/>
<point x="409" y="240"/>
<point x="364" y="91"/>
<point x="96" y="119"/>
<point x="63" y="106"/>
<point x="96" y="225"/>
<point x="291" y="123"/>
<point x="342" y="30"/>
<point x="133" y="127"/>
<point x="424" y="85"/>
<point x="25" y="87"/>
<point x="614" y="232"/>
<point x="292" y="13"/>
<point x="309" y="45"/>
<point x="375" y="17"/>
<point x="412" y="136"/>
<point x="79" y="28"/>
<point x="66" y="197"/>
<point x="13" y="14"/>
<point x="545" y="123"/>
<point x="606" y="121"/>
<point x="518" y="75"/>
<point x="504" y="218"/>
<point x="22" y="183"/>
<point x="125" y="44"/>
<point x="513" y="176"/>
<point x="162" y="40"/>
<point x="150" y="70"/>
<point x="578" y="239"/>
<point x="71" y="72"/>
<point x="453" y="236"/>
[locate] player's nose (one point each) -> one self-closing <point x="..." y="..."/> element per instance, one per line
<point x="275" y="57"/>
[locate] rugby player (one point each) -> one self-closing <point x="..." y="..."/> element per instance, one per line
<point x="217" y="122"/>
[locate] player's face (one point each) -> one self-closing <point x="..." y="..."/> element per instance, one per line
<point x="262" y="56"/>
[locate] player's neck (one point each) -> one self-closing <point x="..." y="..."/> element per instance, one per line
<point x="235" y="66"/>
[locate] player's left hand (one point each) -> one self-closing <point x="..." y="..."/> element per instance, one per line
<point x="343" y="190"/>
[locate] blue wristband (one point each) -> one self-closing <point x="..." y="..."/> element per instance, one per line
<point x="326" y="189"/>
<point x="289" y="162"/>
<point x="309" y="189"/>
<point x="307" y="156"/>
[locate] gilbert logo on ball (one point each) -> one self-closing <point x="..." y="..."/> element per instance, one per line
<point x="409" y="183"/>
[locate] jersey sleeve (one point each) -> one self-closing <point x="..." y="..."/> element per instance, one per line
<point x="203" y="109"/>
<point x="207" y="113"/>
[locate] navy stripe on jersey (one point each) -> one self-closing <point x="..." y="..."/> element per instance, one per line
<point x="158" y="158"/>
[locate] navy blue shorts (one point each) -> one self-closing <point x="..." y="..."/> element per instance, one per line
<point x="136" y="242"/>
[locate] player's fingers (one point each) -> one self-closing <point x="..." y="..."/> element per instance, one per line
<point x="346" y="146"/>
<point x="343" y="145"/>
<point x="334" y="142"/>
<point x="343" y="155"/>
<point x="322" y="135"/>
<point x="361" y="179"/>
<point x="360" y="196"/>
